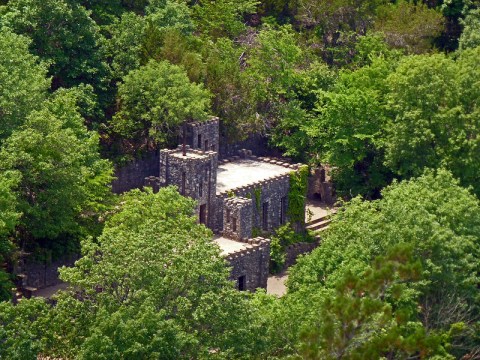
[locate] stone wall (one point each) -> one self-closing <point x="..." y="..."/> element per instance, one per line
<point x="320" y="186"/>
<point x="203" y="135"/>
<point x="295" y="250"/>
<point x="40" y="274"/>
<point x="195" y="176"/>
<point x="132" y="175"/>
<point x="237" y="218"/>
<point x="250" y="265"/>
<point x="269" y="196"/>
<point x="256" y="142"/>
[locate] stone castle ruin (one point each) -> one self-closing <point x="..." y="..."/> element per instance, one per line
<point x="238" y="198"/>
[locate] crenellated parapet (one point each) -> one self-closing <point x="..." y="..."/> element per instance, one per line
<point x="194" y="173"/>
<point x="237" y="218"/>
<point x="250" y="264"/>
<point x="269" y="195"/>
<point x="203" y="135"/>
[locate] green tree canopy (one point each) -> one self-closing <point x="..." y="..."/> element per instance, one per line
<point x="470" y="36"/>
<point x="433" y="116"/>
<point x="409" y="25"/>
<point x="218" y="18"/>
<point x="154" y="100"/>
<point x="63" y="35"/>
<point x="23" y="80"/>
<point x="440" y="221"/>
<point x="153" y="284"/>
<point x="58" y="171"/>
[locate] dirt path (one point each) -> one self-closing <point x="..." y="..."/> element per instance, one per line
<point x="276" y="284"/>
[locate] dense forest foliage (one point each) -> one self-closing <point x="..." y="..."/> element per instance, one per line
<point x="387" y="93"/>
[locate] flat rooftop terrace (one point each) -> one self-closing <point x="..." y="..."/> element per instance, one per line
<point x="189" y="155"/>
<point x="246" y="171"/>
<point x="228" y="246"/>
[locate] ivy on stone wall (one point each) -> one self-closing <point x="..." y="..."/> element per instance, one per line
<point x="297" y="195"/>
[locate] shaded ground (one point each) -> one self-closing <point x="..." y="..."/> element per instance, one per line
<point x="276" y="284"/>
<point x="49" y="291"/>
<point x="244" y="172"/>
<point x="318" y="210"/>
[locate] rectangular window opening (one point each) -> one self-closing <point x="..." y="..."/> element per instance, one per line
<point x="242" y="283"/>
<point x="203" y="214"/>
<point x="183" y="183"/>
<point x="234" y="224"/>
<point x="199" y="142"/>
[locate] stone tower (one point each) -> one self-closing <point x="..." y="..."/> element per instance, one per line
<point x="195" y="175"/>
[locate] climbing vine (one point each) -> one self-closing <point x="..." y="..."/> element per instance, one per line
<point x="297" y="194"/>
<point x="284" y="236"/>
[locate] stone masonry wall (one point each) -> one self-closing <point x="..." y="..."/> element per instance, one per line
<point x="42" y="274"/>
<point x="203" y="135"/>
<point x="132" y="175"/>
<point x="198" y="170"/>
<point x="295" y="250"/>
<point x="320" y="186"/>
<point x="251" y="263"/>
<point x="237" y="218"/>
<point x="255" y="142"/>
<point x="271" y="193"/>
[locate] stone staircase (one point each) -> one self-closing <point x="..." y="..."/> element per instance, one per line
<point x="319" y="224"/>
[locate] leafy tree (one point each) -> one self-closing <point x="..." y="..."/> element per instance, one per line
<point x="470" y="36"/>
<point x="440" y="221"/>
<point x="153" y="284"/>
<point x="124" y="47"/>
<point x="23" y="79"/>
<point x="272" y="74"/>
<point x="273" y="62"/>
<point x="104" y="12"/>
<point x="232" y="97"/>
<point x="170" y="14"/>
<point x="332" y="27"/>
<point x="154" y="100"/>
<point x="409" y="26"/>
<point x="355" y="321"/>
<point x="57" y="167"/>
<point x="8" y="220"/>
<point x="63" y="35"/>
<point x="437" y="128"/>
<point x="219" y="18"/>
<point x="347" y="128"/>
<point x="22" y="331"/>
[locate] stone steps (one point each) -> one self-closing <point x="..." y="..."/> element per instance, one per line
<point x="318" y="224"/>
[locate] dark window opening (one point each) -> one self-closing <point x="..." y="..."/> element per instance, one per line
<point x="203" y="214"/>
<point x="206" y="145"/>
<point x="242" y="283"/>
<point x="228" y="215"/>
<point x="234" y="224"/>
<point x="213" y="148"/>
<point x="265" y="216"/>
<point x="183" y="183"/>
<point x="199" y="138"/>
<point x="200" y="189"/>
